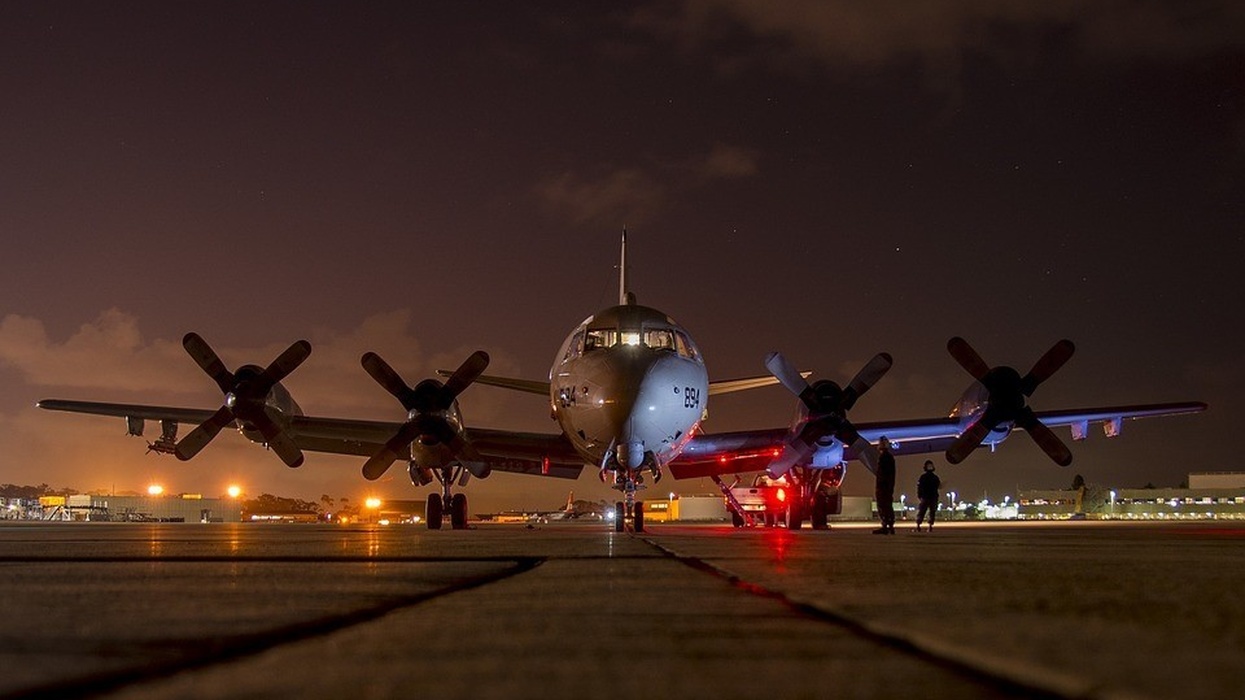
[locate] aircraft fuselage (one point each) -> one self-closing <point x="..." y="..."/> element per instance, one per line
<point x="629" y="389"/>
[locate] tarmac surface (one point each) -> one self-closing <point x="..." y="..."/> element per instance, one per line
<point x="1069" y="610"/>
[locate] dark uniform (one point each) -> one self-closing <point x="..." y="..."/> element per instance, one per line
<point x="927" y="491"/>
<point x="884" y="491"/>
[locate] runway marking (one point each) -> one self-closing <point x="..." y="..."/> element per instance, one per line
<point x="209" y="652"/>
<point x="1014" y="676"/>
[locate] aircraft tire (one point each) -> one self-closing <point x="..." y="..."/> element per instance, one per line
<point x="620" y="517"/>
<point x="819" y="512"/>
<point x="458" y="511"/>
<point x="736" y="519"/>
<point x="638" y="521"/>
<point x="433" y="511"/>
<point x="795" y="516"/>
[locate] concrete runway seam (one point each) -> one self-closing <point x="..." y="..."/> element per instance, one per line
<point x="1017" y="676"/>
<point x="232" y="648"/>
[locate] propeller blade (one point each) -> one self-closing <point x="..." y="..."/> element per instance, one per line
<point x="385" y="376"/>
<point x="379" y="463"/>
<point x="467" y="372"/>
<point x="1049" y="364"/>
<point x="198" y="438"/>
<point x="208" y="361"/>
<point x="1045" y="438"/>
<point x="786" y="374"/>
<point x="967" y="357"/>
<point x="791" y="454"/>
<point x="278" y="441"/>
<point x="867" y="377"/>
<point x="287" y="362"/>
<point x="867" y="452"/>
<point x="968" y="441"/>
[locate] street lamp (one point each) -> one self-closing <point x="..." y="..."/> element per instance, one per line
<point x="234" y="490"/>
<point x="155" y="490"/>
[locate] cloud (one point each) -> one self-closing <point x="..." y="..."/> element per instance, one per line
<point x="729" y="162"/>
<point x="632" y="195"/>
<point x="625" y="195"/>
<point x="110" y="355"/>
<point x="843" y="33"/>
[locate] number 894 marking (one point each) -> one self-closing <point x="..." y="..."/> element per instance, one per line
<point x="691" y="397"/>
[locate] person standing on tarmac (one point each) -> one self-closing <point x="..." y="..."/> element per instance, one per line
<point x="927" y="491"/>
<point x="884" y="491"/>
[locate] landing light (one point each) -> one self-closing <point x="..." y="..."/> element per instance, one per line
<point x="372" y="503"/>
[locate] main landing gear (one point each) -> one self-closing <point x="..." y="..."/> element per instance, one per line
<point x="440" y="503"/>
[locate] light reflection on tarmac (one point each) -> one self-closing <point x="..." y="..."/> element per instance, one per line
<point x="971" y="610"/>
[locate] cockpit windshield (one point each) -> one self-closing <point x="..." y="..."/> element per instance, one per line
<point x="655" y="338"/>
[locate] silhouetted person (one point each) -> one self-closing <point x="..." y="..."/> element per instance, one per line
<point x="927" y="491"/>
<point x="884" y="491"/>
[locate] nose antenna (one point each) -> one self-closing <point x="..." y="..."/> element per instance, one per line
<point x="624" y="297"/>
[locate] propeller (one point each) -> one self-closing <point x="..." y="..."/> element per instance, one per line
<point x="426" y="405"/>
<point x="1008" y="393"/>
<point x="827" y="404"/>
<point x="246" y="392"/>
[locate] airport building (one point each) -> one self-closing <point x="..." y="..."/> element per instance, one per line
<point x="183" y="508"/>
<point x="1210" y="495"/>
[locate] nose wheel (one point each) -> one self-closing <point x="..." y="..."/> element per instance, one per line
<point x="636" y="512"/>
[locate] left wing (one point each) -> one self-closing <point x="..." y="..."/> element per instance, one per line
<point x="507" y="451"/>
<point x="753" y="450"/>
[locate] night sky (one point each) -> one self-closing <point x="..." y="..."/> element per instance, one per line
<point x="828" y="179"/>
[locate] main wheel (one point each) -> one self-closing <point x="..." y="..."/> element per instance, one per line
<point x="795" y="516"/>
<point x="620" y="516"/>
<point x="638" y="522"/>
<point x="458" y="511"/>
<point x="819" y="512"/>
<point x="433" y="511"/>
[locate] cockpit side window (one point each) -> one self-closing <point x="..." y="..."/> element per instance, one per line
<point x="575" y="348"/>
<point x="685" y="347"/>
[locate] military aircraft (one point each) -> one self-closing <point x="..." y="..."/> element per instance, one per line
<point x="629" y="391"/>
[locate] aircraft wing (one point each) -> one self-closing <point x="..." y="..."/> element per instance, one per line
<point x="507" y="451"/>
<point x="193" y="416"/>
<point x="752" y="450"/>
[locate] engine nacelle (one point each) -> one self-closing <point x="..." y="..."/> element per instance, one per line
<point x="828" y="456"/>
<point x="419" y="475"/>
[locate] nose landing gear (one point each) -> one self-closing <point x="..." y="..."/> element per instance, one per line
<point x="435" y="511"/>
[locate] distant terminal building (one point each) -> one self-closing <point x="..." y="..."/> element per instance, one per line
<point x="1211" y="495"/>
<point x="183" y="508"/>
